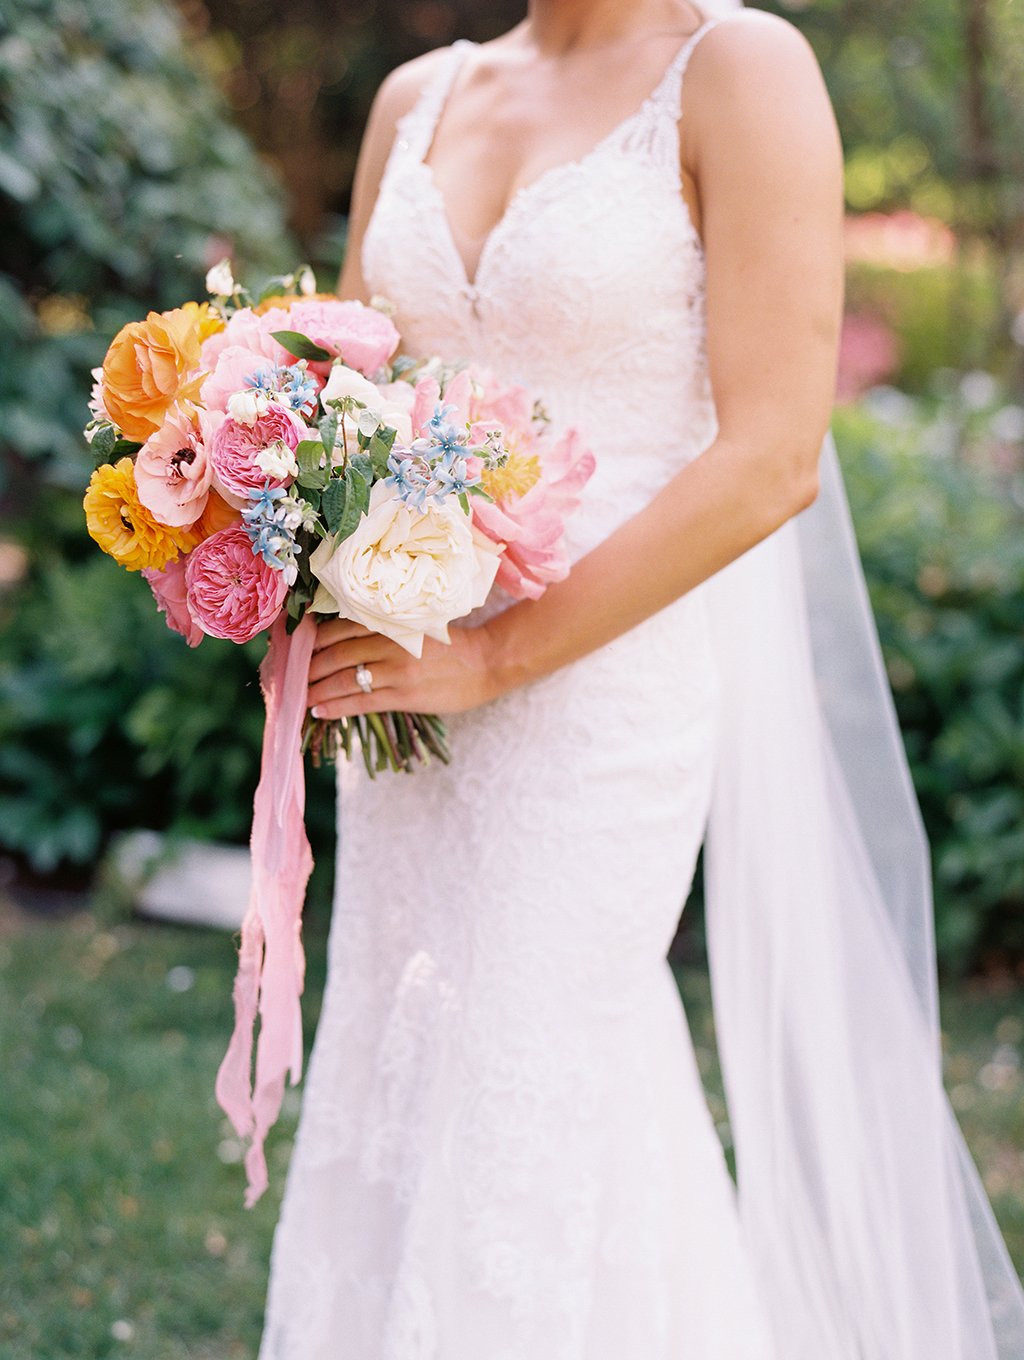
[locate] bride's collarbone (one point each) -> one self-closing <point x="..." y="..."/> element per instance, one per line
<point x="498" y="134"/>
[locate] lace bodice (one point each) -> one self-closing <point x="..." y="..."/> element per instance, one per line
<point x="597" y="258"/>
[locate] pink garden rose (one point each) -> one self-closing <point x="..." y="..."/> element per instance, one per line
<point x="233" y="447"/>
<point x="231" y="592"/>
<point x="169" y="591"/>
<point x="231" y="374"/>
<point x="363" y="336"/>
<point x="172" y="470"/>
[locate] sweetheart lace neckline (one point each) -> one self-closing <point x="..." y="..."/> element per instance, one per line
<point x="471" y="285"/>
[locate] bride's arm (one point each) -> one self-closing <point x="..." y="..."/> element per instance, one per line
<point x="759" y="139"/>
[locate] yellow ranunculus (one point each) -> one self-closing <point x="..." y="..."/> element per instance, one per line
<point x="122" y="525"/>
<point x="209" y="322"/>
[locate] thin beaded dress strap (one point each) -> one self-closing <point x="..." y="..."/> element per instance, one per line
<point x="669" y="94"/>
<point x="419" y="123"/>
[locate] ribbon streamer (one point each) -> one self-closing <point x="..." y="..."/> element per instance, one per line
<point x="271" y="962"/>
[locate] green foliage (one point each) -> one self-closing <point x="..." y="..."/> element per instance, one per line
<point x="108" y="720"/>
<point x="121" y="180"/>
<point x="944" y="315"/>
<point x="943" y="548"/>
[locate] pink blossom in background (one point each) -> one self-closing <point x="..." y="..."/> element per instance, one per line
<point x="172" y="469"/>
<point x="531" y="525"/>
<point x="231" y="592"/>
<point x="899" y="240"/>
<point x="869" y="353"/>
<point x="363" y="336"/>
<point x="234" y="446"/>
<point x="168" y="588"/>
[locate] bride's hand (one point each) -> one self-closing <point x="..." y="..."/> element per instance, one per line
<point x="445" y="679"/>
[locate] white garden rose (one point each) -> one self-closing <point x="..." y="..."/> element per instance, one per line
<point x="406" y="573"/>
<point x="343" y="381"/>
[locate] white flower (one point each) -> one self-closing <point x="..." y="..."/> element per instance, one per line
<point x="219" y="280"/>
<point x="277" y="461"/>
<point x="248" y="405"/>
<point x="406" y="573"/>
<point x="307" y="281"/>
<point x="343" y="381"/>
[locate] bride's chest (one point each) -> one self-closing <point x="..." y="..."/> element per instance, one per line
<point x="596" y="264"/>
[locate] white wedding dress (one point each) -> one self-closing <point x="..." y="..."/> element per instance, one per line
<point x="505" y="1151"/>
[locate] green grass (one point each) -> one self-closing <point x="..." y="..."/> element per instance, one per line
<point x="121" y="1218"/>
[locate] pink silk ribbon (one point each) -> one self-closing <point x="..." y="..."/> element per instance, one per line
<point x="272" y="962"/>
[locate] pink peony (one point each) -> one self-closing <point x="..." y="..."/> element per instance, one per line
<point x="245" y="330"/>
<point x="231" y="592"/>
<point x="532" y="522"/>
<point x="233" y="448"/>
<point x="511" y="406"/>
<point x="169" y="591"/>
<point x="364" y="337"/>
<point x="172" y="470"/>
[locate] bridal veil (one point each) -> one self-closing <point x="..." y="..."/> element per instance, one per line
<point x="869" y="1228"/>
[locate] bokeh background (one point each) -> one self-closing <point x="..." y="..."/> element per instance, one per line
<point x="139" y="143"/>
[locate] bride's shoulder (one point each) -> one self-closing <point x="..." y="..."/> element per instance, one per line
<point x="755" y="48"/>
<point x="400" y="89"/>
<point x="754" y="71"/>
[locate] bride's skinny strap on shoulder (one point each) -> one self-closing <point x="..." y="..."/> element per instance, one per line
<point x="417" y="125"/>
<point x="670" y="91"/>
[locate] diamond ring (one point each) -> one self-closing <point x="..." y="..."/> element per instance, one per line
<point x="364" y="678"/>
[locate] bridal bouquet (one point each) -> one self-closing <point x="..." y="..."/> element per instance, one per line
<point x="264" y="458"/>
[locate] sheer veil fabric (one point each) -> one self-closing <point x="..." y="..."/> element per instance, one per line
<point x="868" y="1225"/>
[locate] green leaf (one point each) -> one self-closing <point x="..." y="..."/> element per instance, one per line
<point x="357" y="498"/>
<point x="301" y="345"/>
<point x="359" y="487"/>
<point x="464" y="501"/>
<point x="335" y="502"/>
<point x="478" y="490"/>
<point x="328" y="428"/>
<point x="308" y="455"/>
<point x="363" y="463"/>
<point x="379" y="450"/>
<point x="103" y="443"/>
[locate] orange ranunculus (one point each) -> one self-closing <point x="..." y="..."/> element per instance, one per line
<point x="151" y="364"/>
<point x="122" y="525"/>
<point x="217" y="514"/>
<point x="209" y="322"/>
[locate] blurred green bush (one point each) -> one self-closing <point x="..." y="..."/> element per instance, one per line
<point x="937" y="493"/>
<point x="942" y="315"/>
<point x="122" y="178"/>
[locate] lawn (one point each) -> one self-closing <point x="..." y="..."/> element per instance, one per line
<point x="121" y="1211"/>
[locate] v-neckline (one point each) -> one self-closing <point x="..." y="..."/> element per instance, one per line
<point x="471" y="285"/>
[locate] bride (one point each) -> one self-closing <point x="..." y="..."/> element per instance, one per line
<point x="504" y="1150"/>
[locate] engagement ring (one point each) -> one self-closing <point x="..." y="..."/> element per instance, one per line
<point x="364" y="678"/>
